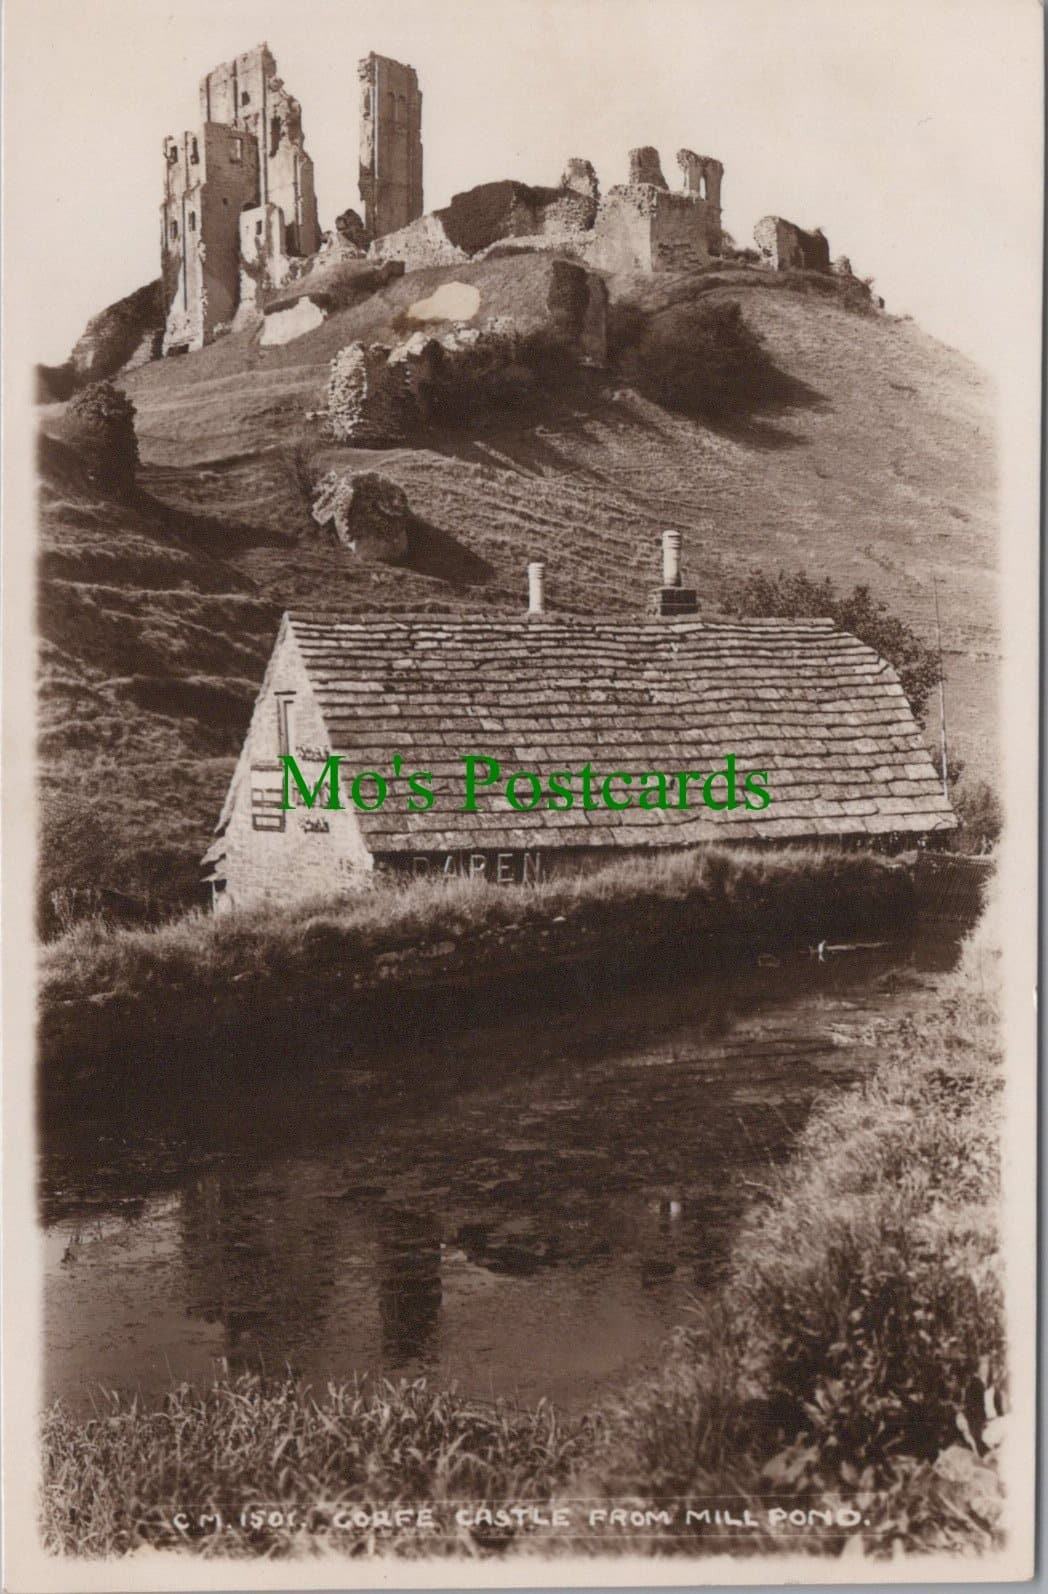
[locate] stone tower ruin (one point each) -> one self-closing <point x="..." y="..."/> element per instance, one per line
<point x="390" y="145"/>
<point x="241" y="189"/>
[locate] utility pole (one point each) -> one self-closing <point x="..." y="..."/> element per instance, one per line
<point x="942" y="697"/>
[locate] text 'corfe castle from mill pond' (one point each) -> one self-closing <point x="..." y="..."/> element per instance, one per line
<point x="239" y="218"/>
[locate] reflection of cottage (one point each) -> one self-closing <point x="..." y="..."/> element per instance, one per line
<point x="810" y="705"/>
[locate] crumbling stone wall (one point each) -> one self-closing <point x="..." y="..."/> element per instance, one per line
<point x="787" y="247"/>
<point x="249" y="155"/>
<point x="422" y="244"/>
<point x="351" y="232"/>
<point x="645" y="167"/>
<point x="209" y="178"/>
<point x="369" y="403"/>
<point x="643" y="226"/>
<point x="492" y="213"/>
<point x="367" y="513"/>
<point x="390" y="145"/>
<point x="581" y="178"/>
<point x="247" y="93"/>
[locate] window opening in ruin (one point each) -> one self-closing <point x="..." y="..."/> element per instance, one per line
<point x="703" y="190"/>
<point x="194" y="153"/>
<point x="245" y="98"/>
<point x="173" y="230"/>
<point x="236" y="149"/>
<point x="192" y="221"/>
<point x="172" y="154"/>
<point x="258" y="229"/>
<point x="274" y="135"/>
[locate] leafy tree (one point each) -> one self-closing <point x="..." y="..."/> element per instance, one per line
<point x="796" y="596"/>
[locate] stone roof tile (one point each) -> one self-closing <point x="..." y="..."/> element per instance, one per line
<point x="811" y="705"/>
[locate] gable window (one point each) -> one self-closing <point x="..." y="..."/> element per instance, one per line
<point x="285" y="722"/>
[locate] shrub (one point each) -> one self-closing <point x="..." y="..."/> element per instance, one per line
<point x="100" y="425"/>
<point x="702" y="359"/>
<point x="797" y="596"/>
<point x="981" y="816"/>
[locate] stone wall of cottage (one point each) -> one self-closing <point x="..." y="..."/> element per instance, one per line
<point x="272" y="854"/>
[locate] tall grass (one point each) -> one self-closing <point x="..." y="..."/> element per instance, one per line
<point x="855" y="1356"/>
<point x="132" y="1475"/>
<point x="736" y="891"/>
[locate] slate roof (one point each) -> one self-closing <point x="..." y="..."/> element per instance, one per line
<point x="816" y="708"/>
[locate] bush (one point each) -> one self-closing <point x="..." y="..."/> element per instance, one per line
<point x="702" y="359"/>
<point x="99" y="424"/>
<point x="797" y="596"/>
<point x="857" y="1352"/>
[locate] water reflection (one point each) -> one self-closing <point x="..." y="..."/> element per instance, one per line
<point x="256" y="1262"/>
<point x="409" y="1287"/>
<point x="526" y="1221"/>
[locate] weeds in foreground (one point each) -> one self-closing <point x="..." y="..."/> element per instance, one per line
<point x="166" y="1475"/>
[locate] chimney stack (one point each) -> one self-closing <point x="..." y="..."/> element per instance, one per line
<point x="536" y="587"/>
<point x="673" y="600"/>
<point x="671" y="558"/>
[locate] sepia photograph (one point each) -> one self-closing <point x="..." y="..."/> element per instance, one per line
<point x="520" y="792"/>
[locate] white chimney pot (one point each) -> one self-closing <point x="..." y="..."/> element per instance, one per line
<point x="537" y="587"/>
<point x="671" y="558"/>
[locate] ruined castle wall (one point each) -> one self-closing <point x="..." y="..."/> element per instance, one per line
<point x="236" y="90"/>
<point x="390" y="145"/>
<point x="288" y="172"/>
<point x="231" y="182"/>
<point x="180" y="268"/>
<point x="641" y="227"/>
<point x="246" y="93"/>
<point x="787" y="247"/>
<point x="622" y="235"/>
<point x="484" y="216"/>
<point x="423" y="243"/>
<point x="684" y="233"/>
<point x="263" y="253"/>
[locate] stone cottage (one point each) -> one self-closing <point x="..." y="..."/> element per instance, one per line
<point x="818" y="712"/>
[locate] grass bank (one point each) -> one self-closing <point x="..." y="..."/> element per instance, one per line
<point x="854" y="1358"/>
<point x="191" y="988"/>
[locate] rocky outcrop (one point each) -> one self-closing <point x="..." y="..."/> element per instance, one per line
<point x="367" y="513"/>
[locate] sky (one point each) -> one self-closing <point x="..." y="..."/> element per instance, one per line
<point x="909" y="130"/>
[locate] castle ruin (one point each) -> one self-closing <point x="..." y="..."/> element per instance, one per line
<point x="241" y="236"/>
<point x="390" y="145"/>
<point x="239" y="202"/>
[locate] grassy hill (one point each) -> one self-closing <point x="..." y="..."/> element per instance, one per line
<point x="875" y="463"/>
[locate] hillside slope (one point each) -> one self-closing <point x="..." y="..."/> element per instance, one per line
<point x="879" y="468"/>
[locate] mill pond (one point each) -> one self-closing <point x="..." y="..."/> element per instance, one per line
<point x="528" y="1214"/>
